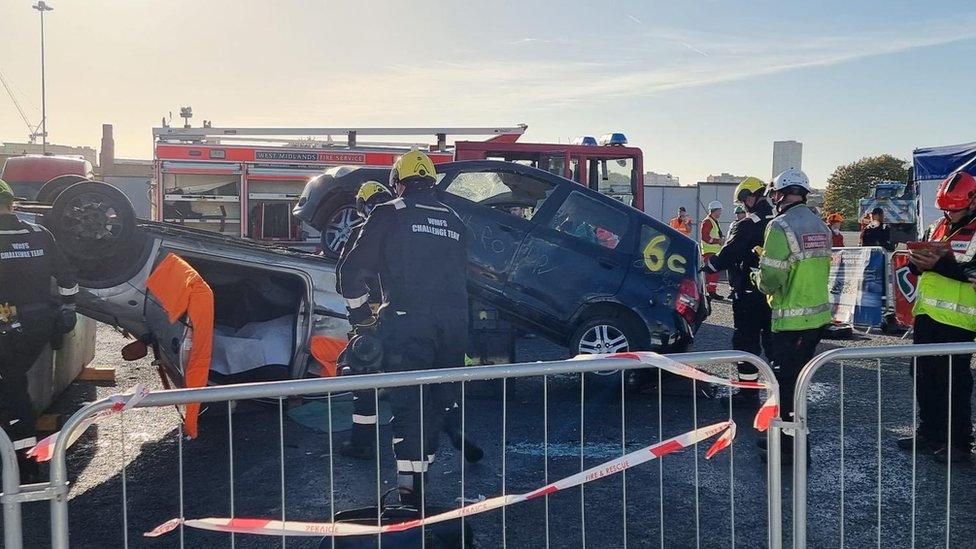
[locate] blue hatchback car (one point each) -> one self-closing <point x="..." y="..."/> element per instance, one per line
<point x="557" y="258"/>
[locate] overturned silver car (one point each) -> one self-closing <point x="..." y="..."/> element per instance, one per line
<point x="270" y="306"/>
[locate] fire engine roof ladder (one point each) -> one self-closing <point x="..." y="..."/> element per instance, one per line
<point x="184" y="134"/>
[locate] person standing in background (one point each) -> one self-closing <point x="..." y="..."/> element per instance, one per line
<point x="876" y="232"/>
<point x="833" y="221"/>
<point x="682" y="222"/>
<point x="740" y="212"/>
<point x="711" y="242"/>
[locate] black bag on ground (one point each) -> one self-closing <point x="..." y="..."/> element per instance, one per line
<point x="443" y="535"/>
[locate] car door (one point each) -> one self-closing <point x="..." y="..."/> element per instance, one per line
<point x="576" y="254"/>
<point x="498" y="205"/>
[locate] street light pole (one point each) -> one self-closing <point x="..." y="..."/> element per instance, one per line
<point x="42" y="7"/>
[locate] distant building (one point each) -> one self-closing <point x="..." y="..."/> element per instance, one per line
<point x="725" y="178"/>
<point x="660" y="179"/>
<point x="786" y="155"/>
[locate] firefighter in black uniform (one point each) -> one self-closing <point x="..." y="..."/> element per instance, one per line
<point x="29" y="258"/>
<point x="362" y="441"/>
<point x="750" y="310"/>
<point x="417" y="246"/>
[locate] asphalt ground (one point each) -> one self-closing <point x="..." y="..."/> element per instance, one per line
<point x="731" y="492"/>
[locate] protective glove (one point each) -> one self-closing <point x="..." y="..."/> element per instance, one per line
<point x="360" y="315"/>
<point x="707" y="267"/>
<point x="68" y="318"/>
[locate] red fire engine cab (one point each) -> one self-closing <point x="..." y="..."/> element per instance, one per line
<point x="606" y="165"/>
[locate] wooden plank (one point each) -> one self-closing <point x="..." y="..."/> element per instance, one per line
<point x="49" y="423"/>
<point x="91" y="373"/>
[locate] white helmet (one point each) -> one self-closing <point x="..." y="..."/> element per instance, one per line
<point x="791" y="178"/>
<point x="714" y="205"/>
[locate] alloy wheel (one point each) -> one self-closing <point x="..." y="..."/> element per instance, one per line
<point x="340" y="226"/>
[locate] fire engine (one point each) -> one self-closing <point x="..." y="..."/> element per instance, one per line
<point x="245" y="181"/>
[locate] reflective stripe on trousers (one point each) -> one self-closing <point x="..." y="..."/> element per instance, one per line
<point x="25" y="443"/>
<point x="409" y="466"/>
<point x="360" y="419"/>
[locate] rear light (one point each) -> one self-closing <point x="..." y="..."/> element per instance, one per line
<point x="688" y="299"/>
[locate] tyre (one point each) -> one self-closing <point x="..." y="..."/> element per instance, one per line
<point x="340" y="220"/>
<point x="95" y="225"/>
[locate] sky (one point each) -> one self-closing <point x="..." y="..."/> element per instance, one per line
<point x="702" y="87"/>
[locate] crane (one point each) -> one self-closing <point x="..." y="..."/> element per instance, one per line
<point x="33" y="130"/>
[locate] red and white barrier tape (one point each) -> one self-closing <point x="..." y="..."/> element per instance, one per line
<point x="767" y="412"/>
<point x="269" y="527"/>
<point x="44" y="450"/>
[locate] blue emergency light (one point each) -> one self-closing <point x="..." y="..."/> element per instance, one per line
<point x="588" y="140"/>
<point x="613" y="140"/>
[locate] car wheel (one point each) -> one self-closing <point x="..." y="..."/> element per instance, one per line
<point x="604" y="335"/>
<point x="95" y="225"/>
<point x="338" y="227"/>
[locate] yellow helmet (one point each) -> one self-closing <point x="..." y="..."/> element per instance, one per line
<point x="370" y="194"/>
<point x="748" y="186"/>
<point x="414" y="165"/>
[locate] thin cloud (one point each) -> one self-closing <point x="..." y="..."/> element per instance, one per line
<point x="529" y="41"/>
<point x="520" y="84"/>
<point x="694" y="49"/>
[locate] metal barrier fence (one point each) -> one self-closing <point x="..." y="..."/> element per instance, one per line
<point x="56" y="492"/>
<point x="801" y="426"/>
<point x="10" y="493"/>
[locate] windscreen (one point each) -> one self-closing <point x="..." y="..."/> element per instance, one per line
<point x="26" y="190"/>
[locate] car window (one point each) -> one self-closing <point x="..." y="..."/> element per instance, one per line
<point x="591" y="220"/>
<point x="512" y="193"/>
<point x="655" y="254"/>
